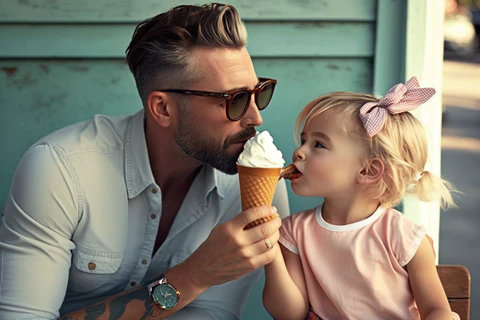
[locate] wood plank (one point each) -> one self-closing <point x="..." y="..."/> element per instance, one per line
<point x="389" y="49"/>
<point x="315" y="39"/>
<point x="455" y="281"/>
<point x="68" y="11"/>
<point x="266" y="39"/>
<point x="461" y="307"/>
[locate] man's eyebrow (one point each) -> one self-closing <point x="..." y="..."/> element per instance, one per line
<point x="238" y="89"/>
<point x="244" y="87"/>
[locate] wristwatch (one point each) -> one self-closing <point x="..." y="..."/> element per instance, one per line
<point x="163" y="294"/>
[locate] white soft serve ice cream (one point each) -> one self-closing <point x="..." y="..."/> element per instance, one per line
<point x="260" y="152"/>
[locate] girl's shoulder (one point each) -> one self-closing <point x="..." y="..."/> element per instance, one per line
<point x="393" y="217"/>
<point x="397" y="226"/>
<point x="298" y="226"/>
<point x="303" y="217"/>
<point x="402" y="234"/>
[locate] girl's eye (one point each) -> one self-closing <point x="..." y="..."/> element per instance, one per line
<point x="302" y="142"/>
<point x="318" y="145"/>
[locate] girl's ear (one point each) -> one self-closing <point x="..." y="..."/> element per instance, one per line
<point x="158" y="104"/>
<point x="372" y="172"/>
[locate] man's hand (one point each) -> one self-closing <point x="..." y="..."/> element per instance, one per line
<point x="231" y="252"/>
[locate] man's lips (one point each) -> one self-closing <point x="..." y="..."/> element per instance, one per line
<point x="242" y="141"/>
<point x="242" y="136"/>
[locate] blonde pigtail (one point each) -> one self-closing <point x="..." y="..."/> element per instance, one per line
<point x="433" y="188"/>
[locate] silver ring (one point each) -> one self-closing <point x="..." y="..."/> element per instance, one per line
<point x="268" y="243"/>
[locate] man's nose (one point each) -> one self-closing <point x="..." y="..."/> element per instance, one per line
<point x="252" y="117"/>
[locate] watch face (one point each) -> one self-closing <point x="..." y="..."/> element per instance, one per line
<point x="165" y="295"/>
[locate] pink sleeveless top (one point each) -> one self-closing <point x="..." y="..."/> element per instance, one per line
<point x="356" y="271"/>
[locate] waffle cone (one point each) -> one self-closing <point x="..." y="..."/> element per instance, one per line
<point x="257" y="187"/>
<point x="259" y="221"/>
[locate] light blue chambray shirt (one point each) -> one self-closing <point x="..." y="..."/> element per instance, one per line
<point x="82" y="216"/>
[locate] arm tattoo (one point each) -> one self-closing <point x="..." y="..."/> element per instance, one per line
<point x="137" y="300"/>
<point x="93" y="312"/>
<point x="119" y="304"/>
<point x="149" y="310"/>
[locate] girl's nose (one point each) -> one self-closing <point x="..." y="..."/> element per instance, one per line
<point x="298" y="154"/>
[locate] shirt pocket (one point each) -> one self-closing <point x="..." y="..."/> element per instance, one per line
<point x="94" y="270"/>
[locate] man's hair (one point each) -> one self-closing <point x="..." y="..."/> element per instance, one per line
<point x="159" y="54"/>
<point x="402" y="145"/>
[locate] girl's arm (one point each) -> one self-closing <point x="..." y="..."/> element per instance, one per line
<point x="426" y="286"/>
<point x="285" y="294"/>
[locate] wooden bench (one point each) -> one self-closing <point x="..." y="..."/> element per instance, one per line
<point x="456" y="282"/>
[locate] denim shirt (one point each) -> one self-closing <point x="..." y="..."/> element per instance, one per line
<point x="82" y="216"/>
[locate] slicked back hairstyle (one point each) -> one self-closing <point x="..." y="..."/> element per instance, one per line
<point x="159" y="54"/>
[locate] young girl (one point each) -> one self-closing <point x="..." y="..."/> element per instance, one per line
<point x="354" y="256"/>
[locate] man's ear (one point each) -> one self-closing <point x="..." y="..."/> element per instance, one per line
<point x="372" y="172"/>
<point x="159" y="105"/>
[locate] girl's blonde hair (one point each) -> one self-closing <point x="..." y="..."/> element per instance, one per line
<point x="402" y="145"/>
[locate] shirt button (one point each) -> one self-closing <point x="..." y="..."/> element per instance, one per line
<point x="144" y="261"/>
<point x="91" y="266"/>
<point x="153" y="216"/>
<point x="133" y="283"/>
<point x="154" y="190"/>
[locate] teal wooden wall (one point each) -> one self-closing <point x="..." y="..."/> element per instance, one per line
<point x="62" y="61"/>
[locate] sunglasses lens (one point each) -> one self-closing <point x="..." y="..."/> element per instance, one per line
<point x="238" y="105"/>
<point x="262" y="99"/>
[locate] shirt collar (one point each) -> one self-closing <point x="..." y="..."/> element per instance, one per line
<point x="348" y="227"/>
<point x="138" y="173"/>
<point x="214" y="179"/>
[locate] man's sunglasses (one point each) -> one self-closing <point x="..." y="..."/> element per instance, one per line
<point x="237" y="101"/>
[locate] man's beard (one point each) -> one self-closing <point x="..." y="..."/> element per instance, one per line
<point x="206" y="149"/>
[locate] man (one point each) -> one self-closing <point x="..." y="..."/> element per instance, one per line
<point x="138" y="217"/>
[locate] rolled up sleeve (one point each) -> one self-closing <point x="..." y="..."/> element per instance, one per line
<point x="40" y="217"/>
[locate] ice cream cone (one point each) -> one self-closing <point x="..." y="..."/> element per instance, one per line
<point x="257" y="187"/>
<point x="258" y="221"/>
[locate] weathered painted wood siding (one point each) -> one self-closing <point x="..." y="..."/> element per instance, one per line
<point x="62" y="61"/>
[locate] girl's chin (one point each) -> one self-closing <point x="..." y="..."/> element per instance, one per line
<point x="297" y="188"/>
<point x="303" y="191"/>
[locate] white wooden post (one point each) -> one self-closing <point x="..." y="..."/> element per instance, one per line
<point x="424" y="59"/>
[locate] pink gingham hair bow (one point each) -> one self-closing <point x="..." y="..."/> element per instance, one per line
<point x="400" y="98"/>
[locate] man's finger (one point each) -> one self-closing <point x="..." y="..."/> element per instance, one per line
<point x="262" y="245"/>
<point x="262" y="231"/>
<point x="266" y="257"/>
<point x="252" y="214"/>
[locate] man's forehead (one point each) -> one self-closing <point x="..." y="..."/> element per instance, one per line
<point x="224" y="69"/>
